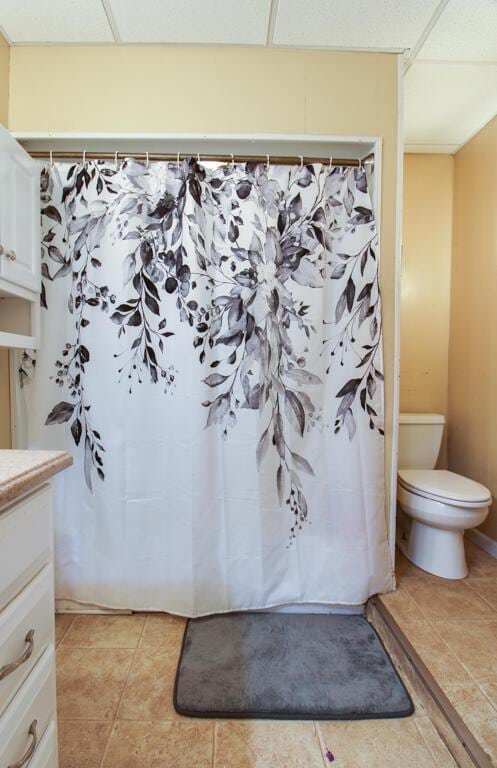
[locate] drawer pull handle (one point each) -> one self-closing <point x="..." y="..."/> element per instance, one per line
<point x="31" y="749"/>
<point x="4" y="671"/>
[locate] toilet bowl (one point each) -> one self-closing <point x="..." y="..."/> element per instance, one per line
<point x="441" y="505"/>
<point x="437" y="505"/>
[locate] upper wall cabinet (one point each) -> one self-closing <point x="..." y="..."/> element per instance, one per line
<point x="19" y="215"/>
<point x="20" y="280"/>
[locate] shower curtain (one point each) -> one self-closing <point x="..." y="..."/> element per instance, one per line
<point x="211" y="356"/>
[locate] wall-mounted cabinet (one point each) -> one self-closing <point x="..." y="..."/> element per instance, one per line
<point x="19" y="245"/>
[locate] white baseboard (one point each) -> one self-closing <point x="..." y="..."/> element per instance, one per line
<point x="483" y="541"/>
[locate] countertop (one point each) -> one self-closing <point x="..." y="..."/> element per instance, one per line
<point x="22" y="471"/>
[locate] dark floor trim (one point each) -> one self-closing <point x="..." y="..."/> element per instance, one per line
<point x="460" y="741"/>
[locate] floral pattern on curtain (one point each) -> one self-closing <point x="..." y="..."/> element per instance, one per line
<point x="269" y="275"/>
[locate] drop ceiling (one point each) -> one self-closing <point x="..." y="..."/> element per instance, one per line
<point x="450" y="46"/>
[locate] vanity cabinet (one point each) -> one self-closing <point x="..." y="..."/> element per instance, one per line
<point x="20" y="281"/>
<point x="28" y="721"/>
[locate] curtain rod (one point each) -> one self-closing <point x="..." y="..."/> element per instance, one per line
<point x="272" y="159"/>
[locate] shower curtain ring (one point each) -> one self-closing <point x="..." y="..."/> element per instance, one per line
<point x="116" y="160"/>
<point x="51" y="157"/>
<point x="177" y="159"/>
<point x="232" y="160"/>
<point x="147" y="162"/>
<point x="331" y="162"/>
<point x="198" y="158"/>
<point x="267" y="162"/>
<point x="301" y="161"/>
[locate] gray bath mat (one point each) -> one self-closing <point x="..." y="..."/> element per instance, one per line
<point x="289" y="666"/>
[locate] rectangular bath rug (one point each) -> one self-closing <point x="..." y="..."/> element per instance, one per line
<point x="287" y="666"/>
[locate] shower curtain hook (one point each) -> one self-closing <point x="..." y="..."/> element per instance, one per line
<point x="147" y="160"/>
<point x="232" y="160"/>
<point x="301" y="161"/>
<point x="267" y="162"/>
<point x="84" y="157"/>
<point x="331" y="162"/>
<point x="177" y="159"/>
<point x="198" y="158"/>
<point x="116" y="160"/>
<point x="360" y="163"/>
<point x="51" y="157"/>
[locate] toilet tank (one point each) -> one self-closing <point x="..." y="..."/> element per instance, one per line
<point x="420" y="438"/>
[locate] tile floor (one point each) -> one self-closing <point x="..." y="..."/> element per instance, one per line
<point x="115" y="677"/>
<point x="453" y="627"/>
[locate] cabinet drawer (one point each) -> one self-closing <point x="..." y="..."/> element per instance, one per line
<point x="26" y="630"/>
<point x="33" y="708"/>
<point x="25" y="542"/>
<point x="46" y="755"/>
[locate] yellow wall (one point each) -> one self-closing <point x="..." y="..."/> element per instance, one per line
<point x="425" y="281"/>
<point x="4" y="356"/>
<point x="473" y="325"/>
<point x="226" y="90"/>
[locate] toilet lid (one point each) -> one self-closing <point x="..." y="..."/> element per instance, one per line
<point x="439" y="484"/>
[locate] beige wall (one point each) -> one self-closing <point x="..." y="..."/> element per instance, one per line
<point x="4" y="356"/>
<point x="425" y="281"/>
<point x="473" y="324"/>
<point x="226" y="90"/>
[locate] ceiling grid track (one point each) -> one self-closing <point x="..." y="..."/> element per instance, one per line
<point x="426" y="33"/>
<point x="273" y="13"/>
<point x="111" y="19"/>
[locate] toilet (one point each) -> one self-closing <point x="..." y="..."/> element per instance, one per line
<point x="436" y="506"/>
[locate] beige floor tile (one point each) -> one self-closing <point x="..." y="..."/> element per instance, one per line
<point x="480" y="563"/>
<point x="474" y="644"/>
<point x="62" y="623"/>
<point x="489" y="688"/>
<point x="82" y="744"/>
<point x="161" y="745"/>
<point x="434" y="651"/>
<point x="405" y="570"/>
<point x="105" y="632"/>
<point x="448" y="600"/>
<point x="478" y="714"/>
<point x="148" y="694"/>
<point x="266" y="744"/>
<point x="486" y="588"/>
<point x="376" y="744"/>
<point x="163" y="630"/>
<point x="437" y="747"/>
<point x="402" y="606"/>
<point x="90" y="682"/>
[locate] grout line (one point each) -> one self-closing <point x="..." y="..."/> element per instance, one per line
<point x="425" y="34"/>
<point x="114" y="722"/>
<point x="214" y="743"/>
<point x="322" y="747"/>
<point x="273" y="12"/>
<point x="59" y="643"/>
<point x="111" y="20"/>
<point x="427" y="744"/>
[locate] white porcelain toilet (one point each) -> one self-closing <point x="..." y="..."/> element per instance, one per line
<point x="437" y="506"/>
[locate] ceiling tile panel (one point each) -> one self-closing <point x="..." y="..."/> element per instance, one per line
<point x="352" y="23"/>
<point x="191" y="21"/>
<point x="446" y="104"/>
<point x="466" y="31"/>
<point x="57" y="21"/>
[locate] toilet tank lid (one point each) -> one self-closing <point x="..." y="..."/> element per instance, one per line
<point x="421" y="418"/>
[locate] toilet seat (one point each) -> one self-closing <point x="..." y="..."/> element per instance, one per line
<point x="445" y="487"/>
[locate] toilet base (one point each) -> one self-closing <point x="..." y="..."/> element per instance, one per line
<point x="437" y="551"/>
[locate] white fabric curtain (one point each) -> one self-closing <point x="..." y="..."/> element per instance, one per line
<point x="211" y="356"/>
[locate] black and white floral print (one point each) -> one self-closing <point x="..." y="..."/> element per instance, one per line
<point x="239" y="255"/>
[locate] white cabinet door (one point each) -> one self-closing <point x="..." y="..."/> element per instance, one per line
<point x="19" y="215"/>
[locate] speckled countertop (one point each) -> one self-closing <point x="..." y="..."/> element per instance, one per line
<point x="21" y="471"/>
